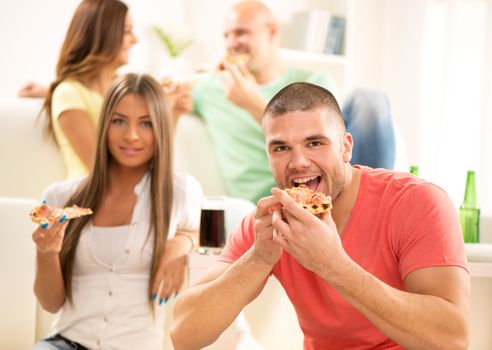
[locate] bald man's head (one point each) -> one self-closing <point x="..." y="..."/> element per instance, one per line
<point x="250" y="28"/>
<point x="254" y="9"/>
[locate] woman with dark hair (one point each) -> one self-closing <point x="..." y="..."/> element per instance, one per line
<point x="97" y="43"/>
<point x="108" y="275"/>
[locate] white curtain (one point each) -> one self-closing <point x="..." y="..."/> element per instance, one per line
<point x="456" y="96"/>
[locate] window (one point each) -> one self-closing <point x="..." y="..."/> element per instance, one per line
<point x="453" y="110"/>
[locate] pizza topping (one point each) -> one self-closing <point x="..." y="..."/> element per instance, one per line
<point x="44" y="214"/>
<point x="234" y="59"/>
<point x="314" y="202"/>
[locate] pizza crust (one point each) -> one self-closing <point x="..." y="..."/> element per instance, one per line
<point x="44" y="214"/>
<point x="314" y="202"/>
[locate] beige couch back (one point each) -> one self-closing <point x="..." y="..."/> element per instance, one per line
<point x="30" y="162"/>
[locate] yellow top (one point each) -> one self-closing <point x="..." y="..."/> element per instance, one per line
<point x="71" y="95"/>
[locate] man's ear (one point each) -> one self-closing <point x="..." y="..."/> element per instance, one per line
<point x="273" y="29"/>
<point x="347" y="144"/>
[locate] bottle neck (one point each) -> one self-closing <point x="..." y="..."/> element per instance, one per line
<point x="470" y="190"/>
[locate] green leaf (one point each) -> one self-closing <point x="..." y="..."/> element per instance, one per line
<point x="173" y="47"/>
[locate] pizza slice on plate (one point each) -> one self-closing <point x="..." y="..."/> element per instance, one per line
<point x="44" y="214"/>
<point x="314" y="202"/>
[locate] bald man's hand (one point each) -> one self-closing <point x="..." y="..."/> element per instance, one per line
<point x="241" y="89"/>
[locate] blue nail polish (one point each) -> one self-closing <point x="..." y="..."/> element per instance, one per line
<point x="63" y="218"/>
<point x="165" y="300"/>
<point x="176" y="294"/>
<point x="43" y="226"/>
<point x="160" y="301"/>
<point x="154" y="295"/>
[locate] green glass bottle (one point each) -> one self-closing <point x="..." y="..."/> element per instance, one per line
<point x="414" y="169"/>
<point x="470" y="212"/>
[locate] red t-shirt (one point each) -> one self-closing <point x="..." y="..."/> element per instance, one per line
<point x="399" y="224"/>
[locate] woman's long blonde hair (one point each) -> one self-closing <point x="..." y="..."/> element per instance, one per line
<point x="93" y="40"/>
<point x="91" y="192"/>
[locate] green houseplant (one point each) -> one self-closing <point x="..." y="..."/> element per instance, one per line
<point x="174" y="46"/>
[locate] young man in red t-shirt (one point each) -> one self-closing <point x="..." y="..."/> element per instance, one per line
<point x="384" y="269"/>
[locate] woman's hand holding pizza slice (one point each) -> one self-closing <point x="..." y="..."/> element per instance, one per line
<point x="49" y="238"/>
<point x="52" y="224"/>
<point x="45" y="214"/>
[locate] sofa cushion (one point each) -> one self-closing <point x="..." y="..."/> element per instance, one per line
<point x="30" y="162"/>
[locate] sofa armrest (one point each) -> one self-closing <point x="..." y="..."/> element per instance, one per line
<point x="17" y="259"/>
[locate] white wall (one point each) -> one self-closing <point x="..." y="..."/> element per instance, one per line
<point x="390" y="39"/>
<point x="31" y="34"/>
<point x="485" y="167"/>
<point x="402" y="37"/>
<point x="149" y="54"/>
<point x="366" y="43"/>
<point x="387" y="40"/>
<point x="30" y="38"/>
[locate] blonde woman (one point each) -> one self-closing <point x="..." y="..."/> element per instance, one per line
<point x="108" y="275"/>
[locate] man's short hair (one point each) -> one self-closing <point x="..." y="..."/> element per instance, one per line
<point x="304" y="96"/>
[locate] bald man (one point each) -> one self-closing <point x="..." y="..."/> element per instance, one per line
<point x="231" y="104"/>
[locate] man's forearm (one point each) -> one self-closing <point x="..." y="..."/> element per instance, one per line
<point x="256" y="110"/>
<point x="415" y="321"/>
<point x="204" y="311"/>
<point x="253" y="105"/>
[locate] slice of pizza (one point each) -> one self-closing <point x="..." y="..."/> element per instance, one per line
<point x="314" y="202"/>
<point x="241" y="58"/>
<point x="44" y="214"/>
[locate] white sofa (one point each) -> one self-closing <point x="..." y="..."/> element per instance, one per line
<point x="31" y="162"/>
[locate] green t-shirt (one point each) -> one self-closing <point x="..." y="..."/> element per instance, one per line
<point x="237" y="135"/>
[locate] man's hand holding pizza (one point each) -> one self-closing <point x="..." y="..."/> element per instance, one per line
<point x="179" y="97"/>
<point x="241" y="89"/>
<point x="313" y="240"/>
<point x="266" y="248"/>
